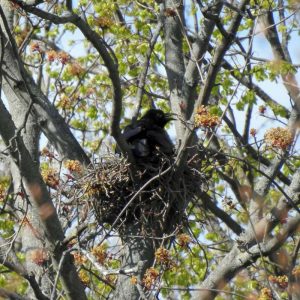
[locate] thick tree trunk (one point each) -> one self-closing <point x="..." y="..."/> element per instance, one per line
<point x="36" y="255"/>
<point x="18" y="83"/>
<point x="40" y="200"/>
<point x="41" y="232"/>
<point x="173" y="26"/>
<point x="138" y="253"/>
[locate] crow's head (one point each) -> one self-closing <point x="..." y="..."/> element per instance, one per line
<point x="158" y="117"/>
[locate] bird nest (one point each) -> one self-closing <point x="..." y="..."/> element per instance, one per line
<point x="154" y="196"/>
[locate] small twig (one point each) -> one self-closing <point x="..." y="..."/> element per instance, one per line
<point x="145" y="66"/>
<point x="202" y="289"/>
<point x="53" y="293"/>
<point x="104" y="271"/>
<point x="99" y="278"/>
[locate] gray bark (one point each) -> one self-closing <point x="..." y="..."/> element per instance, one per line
<point x="138" y="254"/>
<point x="289" y="79"/>
<point x="18" y="83"/>
<point x="206" y="89"/>
<point x="238" y="259"/>
<point x="247" y="250"/>
<point x="31" y="243"/>
<point x="42" y="204"/>
<point x="32" y="233"/>
<point x="173" y="28"/>
<point x="199" y="48"/>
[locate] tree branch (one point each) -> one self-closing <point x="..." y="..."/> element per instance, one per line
<point x="143" y="75"/>
<point x="238" y="258"/>
<point x="10" y="295"/>
<point x="246" y="250"/>
<point x="174" y="60"/>
<point x="110" y="63"/>
<point x="289" y="79"/>
<point x="252" y="152"/>
<point x="219" y="213"/>
<point x="19" y="86"/>
<point x="36" y="188"/>
<point x="9" y="259"/>
<point x="205" y="92"/>
<point x="252" y="86"/>
<point x="198" y="50"/>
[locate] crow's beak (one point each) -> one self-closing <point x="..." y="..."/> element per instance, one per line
<point x="170" y="116"/>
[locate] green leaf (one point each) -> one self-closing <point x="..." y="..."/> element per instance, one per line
<point x="92" y="112"/>
<point x="212" y="236"/>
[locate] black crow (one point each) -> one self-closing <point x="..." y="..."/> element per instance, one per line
<point x="148" y="136"/>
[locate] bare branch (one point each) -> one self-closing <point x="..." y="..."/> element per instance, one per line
<point x="9" y="259"/>
<point x="199" y="47"/>
<point x="210" y="81"/>
<point x="247" y="250"/>
<point x="252" y="86"/>
<point x="289" y="79"/>
<point x="110" y="63"/>
<point x="238" y="259"/>
<point x="41" y="200"/>
<point x="68" y="18"/>
<point x="19" y="86"/>
<point x="222" y="215"/>
<point x="145" y="66"/>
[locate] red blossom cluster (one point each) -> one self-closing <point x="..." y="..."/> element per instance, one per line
<point x="150" y="277"/>
<point x="170" y="12"/>
<point x="47" y="153"/>
<point x="265" y="294"/>
<point x="100" y="253"/>
<point x="63" y="57"/>
<point x="163" y="257"/>
<point x="296" y="271"/>
<point x="79" y="259"/>
<point x="36" y="47"/>
<point x="75" y="69"/>
<point x="73" y="166"/>
<point x="50" y="177"/>
<point x="204" y="118"/>
<point x="104" y="22"/>
<point x="133" y="280"/>
<point x="183" y="240"/>
<point x="262" y="109"/>
<point x="39" y="256"/>
<point x="281" y="281"/>
<point x="279" y="138"/>
<point x="84" y="277"/>
<point x="52" y="55"/>
<point x="253" y="132"/>
<point x="65" y="102"/>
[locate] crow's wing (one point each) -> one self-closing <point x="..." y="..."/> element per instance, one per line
<point x="135" y="136"/>
<point x="132" y="132"/>
<point x="160" y="138"/>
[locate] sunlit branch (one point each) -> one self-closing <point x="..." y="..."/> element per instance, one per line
<point x="289" y="79"/>
<point x="198" y="49"/>
<point x="219" y="213"/>
<point x="109" y="61"/>
<point x="205" y="92"/>
<point x="252" y="86"/>
<point x="41" y="199"/>
<point x="251" y="151"/>
<point x="143" y="75"/>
